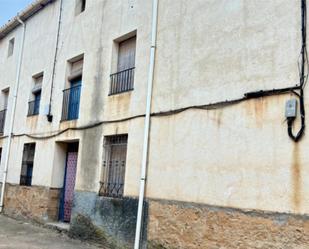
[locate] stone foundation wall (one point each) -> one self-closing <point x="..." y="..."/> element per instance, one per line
<point x="35" y="202"/>
<point x="53" y="203"/>
<point x="189" y="226"/>
<point x="108" y="221"/>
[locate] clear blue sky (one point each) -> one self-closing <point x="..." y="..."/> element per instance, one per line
<point x="9" y="8"/>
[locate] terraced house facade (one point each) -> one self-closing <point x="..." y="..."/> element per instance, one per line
<point x="158" y="124"/>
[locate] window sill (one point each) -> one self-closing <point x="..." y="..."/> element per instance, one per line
<point x="25" y="186"/>
<point x="64" y="124"/>
<point x="119" y="93"/>
<point x="111" y="197"/>
<point x="68" y="120"/>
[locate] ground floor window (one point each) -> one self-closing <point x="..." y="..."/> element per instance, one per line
<point x="27" y="164"/>
<point x="114" y="164"/>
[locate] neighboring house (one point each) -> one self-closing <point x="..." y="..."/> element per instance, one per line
<point x="223" y="170"/>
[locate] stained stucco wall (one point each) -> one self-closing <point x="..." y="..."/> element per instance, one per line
<point x="88" y="33"/>
<point x="207" y="51"/>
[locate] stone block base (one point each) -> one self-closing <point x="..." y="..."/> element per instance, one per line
<point x="35" y="202"/>
<point x="189" y="226"/>
<point x="168" y="224"/>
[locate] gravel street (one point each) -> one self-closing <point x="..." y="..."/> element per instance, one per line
<point x="20" y="235"/>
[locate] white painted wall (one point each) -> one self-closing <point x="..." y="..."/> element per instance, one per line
<point x="207" y="51"/>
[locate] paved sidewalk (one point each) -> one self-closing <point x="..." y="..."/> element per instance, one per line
<point x="20" y="235"/>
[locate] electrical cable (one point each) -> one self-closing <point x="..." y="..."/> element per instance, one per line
<point x="49" y="115"/>
<point x="210" y="106"/>
<point x="302" y="77"/>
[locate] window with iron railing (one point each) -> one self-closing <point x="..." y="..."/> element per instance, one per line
<point x="2" y="120"/>
<point x="34" y="106"/>
<point x="114" y="165"/>
<point x="71" y="101"/>
<point x="123" y="79"/>
<point x="27" y="165"/>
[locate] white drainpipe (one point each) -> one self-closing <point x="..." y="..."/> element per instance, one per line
<point x="147" y="125"/>
<point x="7" y="154"/>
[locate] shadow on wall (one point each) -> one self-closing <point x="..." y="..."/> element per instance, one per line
<point x="107" y="221"/>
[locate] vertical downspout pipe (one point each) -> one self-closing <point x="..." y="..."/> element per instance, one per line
<point x="147" y="125"/>
<point x="10" y="133"/>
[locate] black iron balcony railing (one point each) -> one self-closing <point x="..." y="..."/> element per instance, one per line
<point x="2" y="120"/>
<point x="33" y="107"/>
<point x="122" y="81"/>
<point x="70" y="104"/>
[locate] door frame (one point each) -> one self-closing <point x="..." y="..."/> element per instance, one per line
<point x="71" y="147"/>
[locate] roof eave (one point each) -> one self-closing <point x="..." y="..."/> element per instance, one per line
<point x="31" y="10"/>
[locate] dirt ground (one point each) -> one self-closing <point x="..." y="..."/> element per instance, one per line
<point x="20" y="235"/>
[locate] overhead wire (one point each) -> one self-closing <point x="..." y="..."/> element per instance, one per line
<point x="210" y="106"/>
<point x="303" y="67"/>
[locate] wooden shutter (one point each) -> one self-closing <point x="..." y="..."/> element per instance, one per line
<point x="6" y="99"/>
<point x="126" y="54"/>
<point x="76" y="69"/>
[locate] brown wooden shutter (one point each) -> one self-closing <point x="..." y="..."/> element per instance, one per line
<point x="6" y="98"/>
<point x="126" y="54"/>
<point x="76" y="69"/>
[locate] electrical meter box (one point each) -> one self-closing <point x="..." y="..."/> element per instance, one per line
<point x="291" y="108"/>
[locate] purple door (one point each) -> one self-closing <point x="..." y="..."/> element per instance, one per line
<point x="69" y="184"/>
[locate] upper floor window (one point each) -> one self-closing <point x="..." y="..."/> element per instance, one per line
<point x="123" y="79"/>
<point x="80" y="6"/>
<point x="5" y="98"/>
<point x="27" y="164"/>
<point x="11" y="47"/>
<point x="114" y="165"/>
<point x="4" y="105"/>
<point x="71" y="95"/>
<point x="34" y="104"/>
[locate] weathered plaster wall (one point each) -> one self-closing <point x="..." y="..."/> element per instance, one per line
<point x="211" y="50"/>
<point x="39" y="35"/>
<point x="239" y="156"/>
<point x="78" y="35"/>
